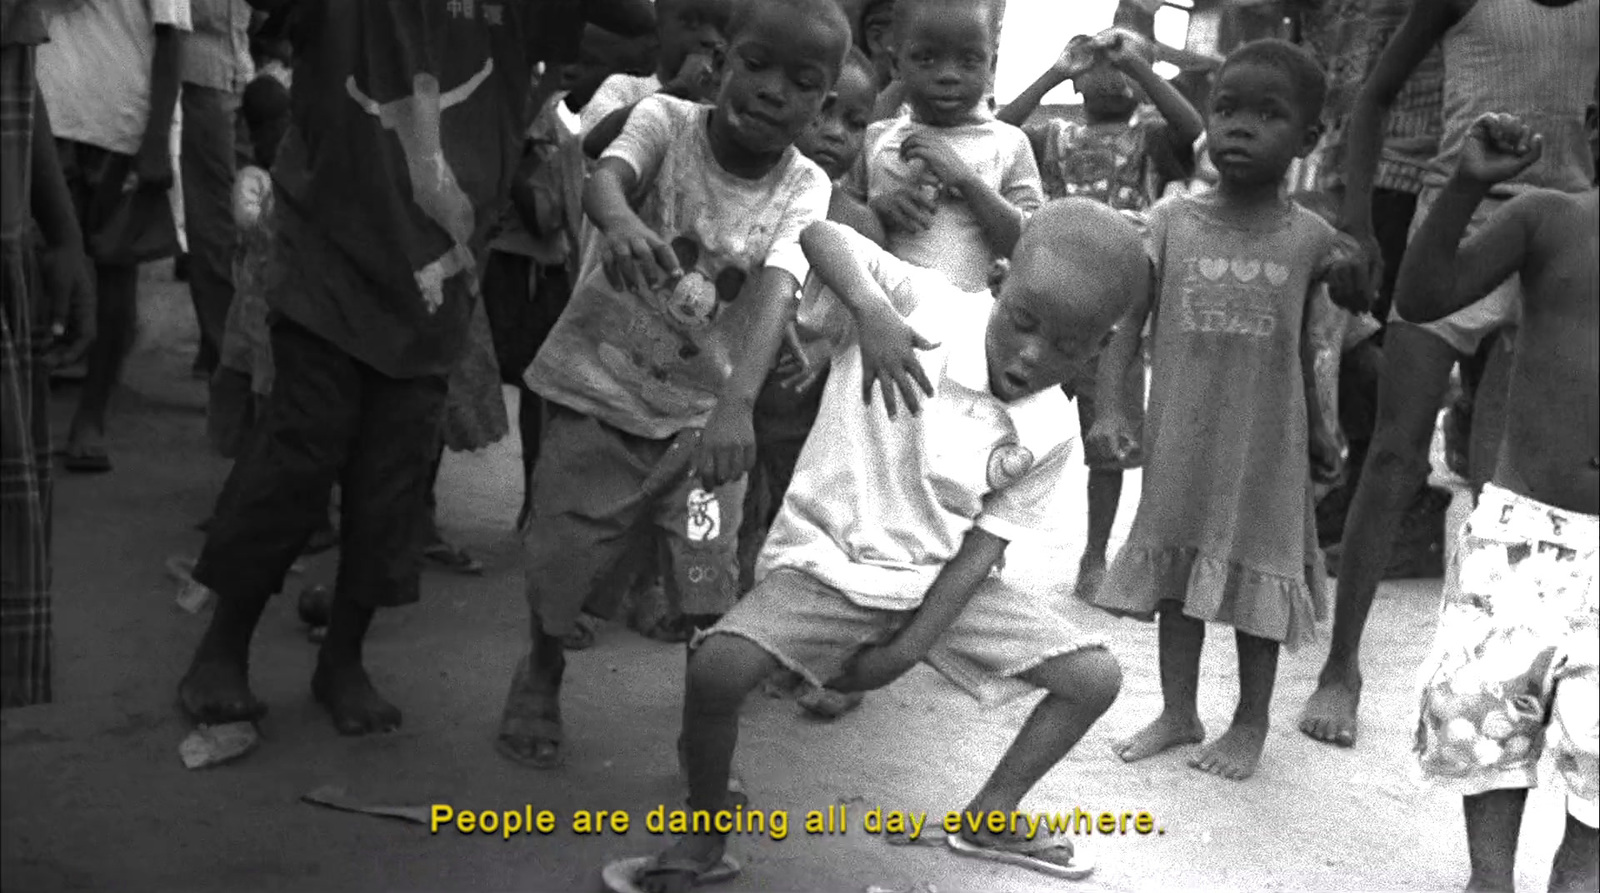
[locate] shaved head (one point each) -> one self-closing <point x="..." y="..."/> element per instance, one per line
<point x="1074" y="273"/>
<point x="1088" y="259"/>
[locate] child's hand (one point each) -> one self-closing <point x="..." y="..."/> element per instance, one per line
<point x="727" y="445"/>
<point x="1327" y="459"/>
<point x="68" y="277"/>
<point x="636" y="259"/>
<point x="1077" y="57"/>
<point x="1349" y="275"/>
<point x="874" y="667"/>
<point x="889" y="358"/>
<point x="1112" y="435"/>
<point x="906" y="210"/>
<point x="1120" y="48"/>
<point x="1498" y="147"/>
<point x="941" y="159"/>
<point x="796" y="370"/>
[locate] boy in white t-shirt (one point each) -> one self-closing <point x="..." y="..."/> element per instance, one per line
<point x="693" y="269"/>
<point x="951" y="184"/>
<point x="886" y="550"/>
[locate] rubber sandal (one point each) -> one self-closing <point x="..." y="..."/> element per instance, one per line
<point x="583" y="634"/>
<point x="623" y="875"/>
<point x="504" y="748"/>
<point x="1029" y="854"/>
<point x="451" y="558"/>
<point x="91" y="461"/>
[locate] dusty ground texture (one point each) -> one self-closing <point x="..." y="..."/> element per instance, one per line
<point x="95" y="795"/>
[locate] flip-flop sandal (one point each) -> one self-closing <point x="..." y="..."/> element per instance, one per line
<point x="86" y="461"/>
<point x="903" y="838"/>
<point x="451" y="558"/>
<point x="1029" y="854"/>
<point x="504" y="748"/>
<point x="624" y="875"/>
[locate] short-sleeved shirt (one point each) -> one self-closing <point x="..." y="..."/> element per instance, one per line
<point x="406" y="123"/>
<point x="95" y="71"/>
<point x="216" y="53"/>
<point x="954" y="244"/>
<point x="654" y="363"/>
<point x="879" y="506"/>
<point x="615" y="92"/>
<point x="1112" y="163"/>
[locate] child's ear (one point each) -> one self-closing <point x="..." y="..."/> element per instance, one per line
<point x="1309" y="140"/>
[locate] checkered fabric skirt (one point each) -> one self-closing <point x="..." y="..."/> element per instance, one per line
<point x="24" y="426"/>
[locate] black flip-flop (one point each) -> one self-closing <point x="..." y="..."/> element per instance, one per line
<point x="86" y="461"/>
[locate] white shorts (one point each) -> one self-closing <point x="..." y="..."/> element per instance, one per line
<point x="1466" y="328"/>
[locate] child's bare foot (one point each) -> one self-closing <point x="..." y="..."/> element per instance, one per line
<point x="1091" y="573"/>
<point x="1330" y="712"/>
<point x="1164" y="733"/>
<point x="1235" y="755"/>
<point x="684" y="865"/>
<point x="356" y="706"/>
<point x="216" y="690"/>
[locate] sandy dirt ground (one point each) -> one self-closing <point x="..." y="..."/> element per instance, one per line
<point x="95" y="796"/>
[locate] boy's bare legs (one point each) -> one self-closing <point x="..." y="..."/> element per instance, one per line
<point x="1105" y="492"/>
<point x="1415" y="377"/>
<point x="117" y="327"/>
<point x="1494" y="820"/>
<point x="1577" y="862"/>
<point x="340" y="682"/>
<point x="1081" y="687"/>
<point x="722" y="673"/>
<point x="1236" y="754"/>
<point x="216" y="687"/>
<point x="1181" y="639"/>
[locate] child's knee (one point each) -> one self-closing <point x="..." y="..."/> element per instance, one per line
<point x="1090" y="678"/>
<point x="725" y="669"/>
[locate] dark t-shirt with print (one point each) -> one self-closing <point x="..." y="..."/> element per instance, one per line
<point x="407" y="122"/>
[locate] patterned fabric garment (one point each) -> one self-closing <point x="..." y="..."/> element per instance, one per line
<point x="1109" y="163"/>
<point x="1513" y="668"/>
<point x="1348" y="37"/>
<point x="25" y="621"/>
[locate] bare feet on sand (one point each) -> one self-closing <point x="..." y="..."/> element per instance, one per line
<point x="1330" y="712"/>
<point x="216" y="690"/>
<point x="1234" y="755"/>
<point x="1165" y="733"/>
<point x="356" y="706"/>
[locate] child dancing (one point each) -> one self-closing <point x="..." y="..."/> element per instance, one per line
<point x="682" y="288"/>
<point x="1513" y="668"/>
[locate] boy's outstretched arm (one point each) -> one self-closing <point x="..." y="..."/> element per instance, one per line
<point x="1426" y="23"/>
<point x="634" y="255"/>
<point x="839" y="257"/>
<point x="1000" y="220"/>
<point x="728" y="443"/>
<point x="878" y="665"/>
<point x="1027" y="102"/>
<point x="1437" y="278"/>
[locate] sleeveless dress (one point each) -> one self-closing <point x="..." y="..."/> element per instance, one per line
<point x="1225" y="523"/>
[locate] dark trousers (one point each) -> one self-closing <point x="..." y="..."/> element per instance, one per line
<point x="209" y="144"/>
<point x="329" y="418"/>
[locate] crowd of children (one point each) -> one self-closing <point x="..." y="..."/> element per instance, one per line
<point x="718" y="246"/>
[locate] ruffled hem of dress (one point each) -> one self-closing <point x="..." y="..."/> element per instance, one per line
<point x="1216" y="590"/>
